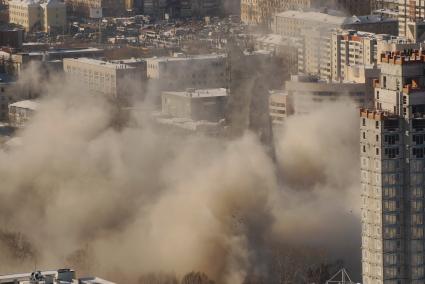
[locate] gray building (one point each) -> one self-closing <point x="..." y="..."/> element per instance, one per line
<point x="208" y="104"/>
<point x="392" y="137"/>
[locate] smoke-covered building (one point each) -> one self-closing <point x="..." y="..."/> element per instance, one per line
<point x="117" y="80"/>
<point x="392" y="150"/>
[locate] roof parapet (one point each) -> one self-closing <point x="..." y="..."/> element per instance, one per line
<point x="403" y="57"/>
<point x="377" y="115"/>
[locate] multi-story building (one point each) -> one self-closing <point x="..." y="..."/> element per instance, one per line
<point x="118" y="81"/>
<point x="350" y="48"/>
<point x="260" y="12"/>
<point x="181" y="8"/>
<point x="410" y="12"/>
<point x="110" y="8"/>
<point x="41" y="15"/>
<point x="21" y="112"/>
<point x="280" y="106"/>
<point x="392" y="173"/>
<point x="384" y="4"/>
<point x="255" y="12"/>
<point x="291" y="23"/>
<point x="196" y="105"/>
<point x="200" y="72"/>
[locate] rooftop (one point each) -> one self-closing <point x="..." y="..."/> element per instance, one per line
<point x="98" y="62"/>
<point x="185" y="58"/>
<point x="326" y="18"/>
<point x="27" y="104"/>
<point x="204" y="93"/>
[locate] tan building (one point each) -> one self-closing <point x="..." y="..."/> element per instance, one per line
<point x="110" y="8"/>
<point x="42" y="15"/>
<point x="115" y="80"/>
<point x="280" y="106"/>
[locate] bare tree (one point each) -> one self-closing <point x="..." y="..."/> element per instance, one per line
<point x="196" y="278"/>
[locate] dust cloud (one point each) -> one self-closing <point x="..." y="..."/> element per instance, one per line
<point x="124" y="202"/>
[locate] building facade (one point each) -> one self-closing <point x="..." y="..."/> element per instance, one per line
<point x="43" y="15"/>
<point x="410" y="12"/>
<point x="110" y="8"/>
<point x="200" y="72"/>
<point x="196" y="105"/>
<point x="392" y="173"/>
<point x="115" y="80"/>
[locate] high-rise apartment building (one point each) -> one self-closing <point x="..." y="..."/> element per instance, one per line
<point x="392" y="137"/>
<point x="410" y="12"/>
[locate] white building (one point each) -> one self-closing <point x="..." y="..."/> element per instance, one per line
<point x="21" y="112"/>
<point x="115" y="80"/>
<point x="38" y="15"/>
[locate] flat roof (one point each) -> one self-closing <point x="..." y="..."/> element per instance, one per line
<point x="98" y="62"/>
<point x="202" y="93"/>
<point x="185" y="58"/>
<point x="27" y="104"/>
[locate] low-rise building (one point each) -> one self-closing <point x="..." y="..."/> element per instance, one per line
<point x="181" y="72"/>
<point x="110" y="8"/>
<point x="308" y="93"/>
<point x="280" y="106"/>
<point x="197" y="105"/>
<point x="20" y="113"/>
<point x="116" y="80"/>
<point x="38" y="15"/>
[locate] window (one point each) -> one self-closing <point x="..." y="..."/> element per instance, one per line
<point x="364" y="122"/>
<point x="377" y="124"/>
<point x="364" y="149"/>
<point x="377" y="138"/>
<point x="364" y="135"/>
<point x="377" y="151"/>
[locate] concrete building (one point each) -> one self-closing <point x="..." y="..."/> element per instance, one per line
<point x="182" y="8"/>
<point x="307" y="93"/>
<point x="179" y="73"/>
<point x="110" y="8"/>
<point x="392" y="173"/>
<point x="118" y="81"/>
<point x="197" y="105"/>
<point x="284" y="49"/>
<point x="291" y="23"/>
<point x="11" y="92"/>
<point x="21" y="112"/>
<point x="11" y="37"/>
<point x="384" y="4"/>
<point x="38" y="15"/>
<point x="280" y="106"/>
<point x="410" y="12"/>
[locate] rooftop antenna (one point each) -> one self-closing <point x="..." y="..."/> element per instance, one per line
<point x="341" y="277"/>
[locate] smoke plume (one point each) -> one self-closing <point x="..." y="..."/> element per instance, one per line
<point x="123" y="202"/>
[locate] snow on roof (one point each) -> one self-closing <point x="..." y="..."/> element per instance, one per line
<point x="27" y="104"/>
